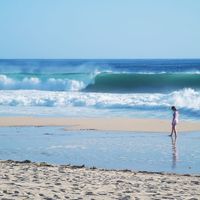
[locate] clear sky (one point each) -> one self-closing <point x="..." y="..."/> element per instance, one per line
<point x="99" y="28"/>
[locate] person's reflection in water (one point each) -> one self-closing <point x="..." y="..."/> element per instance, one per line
<point x="174" y="153"/>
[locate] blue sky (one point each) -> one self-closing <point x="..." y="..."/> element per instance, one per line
<point x="99" y="29"/>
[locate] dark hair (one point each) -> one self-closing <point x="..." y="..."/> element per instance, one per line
<point x="173" y="108"/>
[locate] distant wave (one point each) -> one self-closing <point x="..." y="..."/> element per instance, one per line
<point x="187" y="99"/>
<point x="101" y="82"/>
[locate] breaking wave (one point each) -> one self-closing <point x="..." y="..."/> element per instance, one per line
<point x="101" y="82"/>
<point x="140" y="82"/>
<point x="185" y="99"/>
<point x="35" y="83"/>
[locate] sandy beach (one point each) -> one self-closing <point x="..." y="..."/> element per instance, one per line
<point x="100" y="100"/>
<point x="41" y="181"/>
<point x="103" y="124"/>
<point x="28" y="180"/>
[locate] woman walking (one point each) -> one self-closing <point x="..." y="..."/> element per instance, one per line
<point x="174" y="121"/>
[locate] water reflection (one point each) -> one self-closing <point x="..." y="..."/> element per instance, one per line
<point x="174" y="153"/>
<point x="110" y="150"/>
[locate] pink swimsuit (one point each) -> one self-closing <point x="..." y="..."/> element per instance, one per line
<point x="175" y="118"/>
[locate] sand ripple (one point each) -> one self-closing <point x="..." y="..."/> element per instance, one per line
<point x="26" y="180"/>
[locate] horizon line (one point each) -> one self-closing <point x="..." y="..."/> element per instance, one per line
<point x="100" y="58"/>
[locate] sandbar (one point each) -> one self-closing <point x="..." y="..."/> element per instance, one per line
<point x="103" y="124"/>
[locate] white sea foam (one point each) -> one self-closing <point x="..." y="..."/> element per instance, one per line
<point x="7" y="83"/>
<point x="186" y="98"/>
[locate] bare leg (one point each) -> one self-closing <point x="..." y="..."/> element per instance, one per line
<point x="172" y="131"/>
<point x="175" y="131"/>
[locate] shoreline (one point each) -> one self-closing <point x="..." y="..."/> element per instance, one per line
<point x="71" y="166"/>
<point x="26" y="179"/>
<point x="102" y="124"/>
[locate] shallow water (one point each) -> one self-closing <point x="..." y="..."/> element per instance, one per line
<point x="111" y="150"/>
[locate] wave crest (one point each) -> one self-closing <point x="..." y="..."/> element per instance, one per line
<point x="101" y="82"/>
<point x="34" y="83"/>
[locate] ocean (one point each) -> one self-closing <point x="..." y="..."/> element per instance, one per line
<point x="100" y="88"/>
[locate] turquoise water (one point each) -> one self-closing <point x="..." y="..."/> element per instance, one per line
<point x="140" y="88"/>
<point x="110" y="150"/>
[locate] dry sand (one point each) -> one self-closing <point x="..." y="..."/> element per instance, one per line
<point x="109" y="124"/>
<point x="40" y="181"/>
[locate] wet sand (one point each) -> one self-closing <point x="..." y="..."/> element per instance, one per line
<point x="41" y="181"/>
<point x="104" y="124"/>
